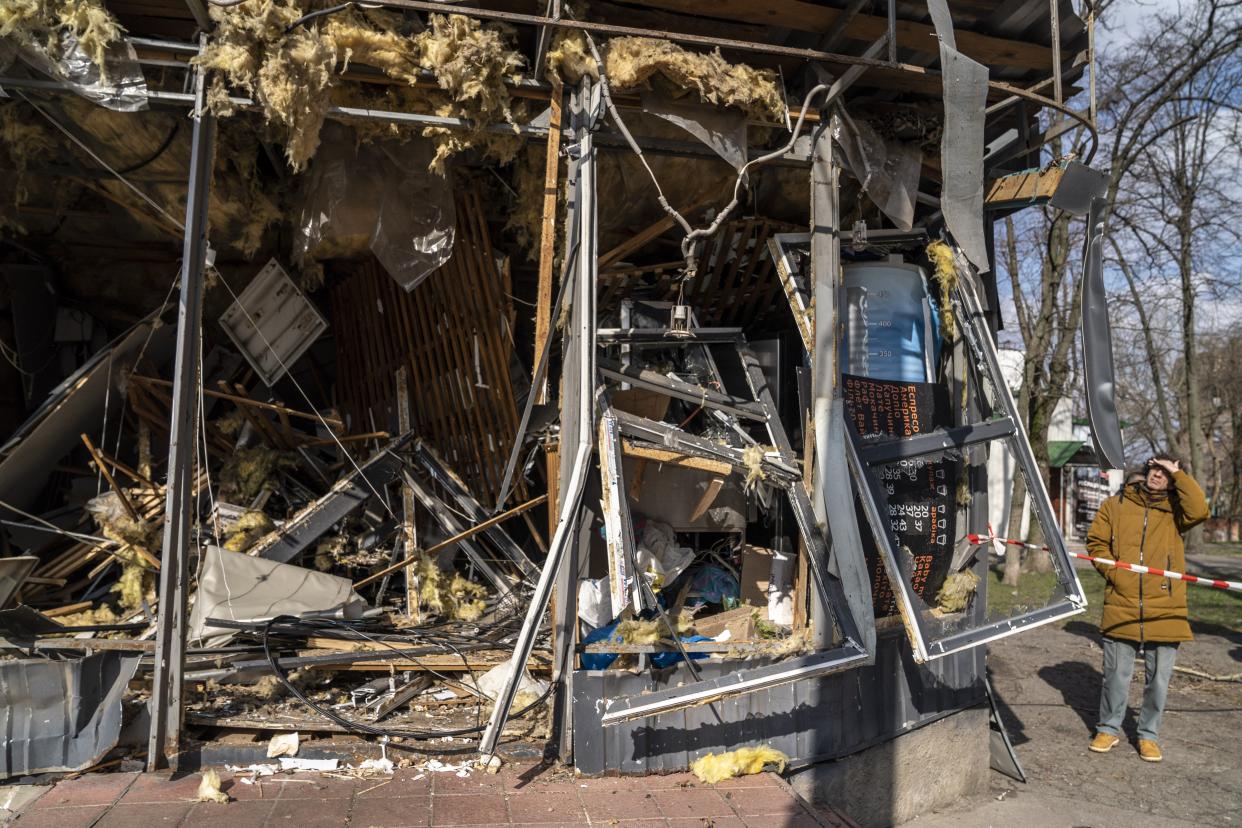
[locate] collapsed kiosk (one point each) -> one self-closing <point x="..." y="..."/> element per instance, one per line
<point x="726" y="317"/>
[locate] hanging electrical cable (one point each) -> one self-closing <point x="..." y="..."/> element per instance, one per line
<point x="692" y="235"/>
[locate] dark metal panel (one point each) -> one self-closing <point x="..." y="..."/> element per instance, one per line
<point x="812" y="720"/>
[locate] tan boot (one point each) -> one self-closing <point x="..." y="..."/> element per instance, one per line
<point x="1149" y="751"/>
<point x="1103" y="743"/>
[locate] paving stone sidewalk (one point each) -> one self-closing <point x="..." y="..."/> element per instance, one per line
<point x="527" y="796"/>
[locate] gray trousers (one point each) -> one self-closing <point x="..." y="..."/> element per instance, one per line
<point x="1118" y="669"/>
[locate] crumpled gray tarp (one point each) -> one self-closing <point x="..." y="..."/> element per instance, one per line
<point x="238" y="587"/>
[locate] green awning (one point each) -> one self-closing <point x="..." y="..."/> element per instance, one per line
<point x="1060" y="452"/>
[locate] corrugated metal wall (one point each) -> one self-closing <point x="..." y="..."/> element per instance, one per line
<point x="810" y="721"/>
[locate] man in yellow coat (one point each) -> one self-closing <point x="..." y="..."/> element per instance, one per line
<point x="1144" y="525"/>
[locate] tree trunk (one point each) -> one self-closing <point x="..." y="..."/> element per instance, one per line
<point x="1013" y="554"/>
<point x="1194" y="406"/>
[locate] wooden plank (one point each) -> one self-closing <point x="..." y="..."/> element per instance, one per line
<point x="547" y="240"/>
<point x="498" y="407"/>
<point x="676" y="458"/>
<point x="103" y="469"/>
<point x="246" y="401"/>
<point x="709" y="497"/>
<point x="70" y="609"/>
<point x="122" y="645"/>
<point x="459" y="360"/>
<point x="1027" y="187"/>
<point x="866" y="28"/>
<point x="640" y="240"/>
<point x="733" y="245"/>
<point x="409" y="535"/>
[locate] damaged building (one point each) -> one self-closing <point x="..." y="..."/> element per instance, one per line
<point x="609" y="380"/>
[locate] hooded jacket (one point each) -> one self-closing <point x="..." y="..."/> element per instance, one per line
<point x="1141" y="527"/>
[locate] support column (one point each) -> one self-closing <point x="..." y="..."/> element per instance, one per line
<point x="833" y="492"/>
<point x="166" y="695"/>
<point x="577" y="406"/>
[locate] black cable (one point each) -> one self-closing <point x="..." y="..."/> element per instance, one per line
<point x="172" y="133"/>
<point x="359" y="727"/>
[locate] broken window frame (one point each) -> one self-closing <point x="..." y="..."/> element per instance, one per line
<point x="1002" y="425"/>
<point x="782" y="470"/>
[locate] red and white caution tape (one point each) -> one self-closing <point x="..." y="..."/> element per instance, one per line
<point x="1139" y="568"/>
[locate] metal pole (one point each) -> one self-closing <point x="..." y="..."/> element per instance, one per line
<point x="577" y="405"/>
<point x="833" y="494"/>
<point x="825" y="263"/>
<point x="892" y="31"/>
<point x="1054" y="22"/>
<point x="166" y="695"/>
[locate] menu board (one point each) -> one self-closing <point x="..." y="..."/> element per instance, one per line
<point x="920" y="491"/>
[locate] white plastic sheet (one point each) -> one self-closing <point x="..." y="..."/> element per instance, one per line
<point x="380" y="197"/>
<point x="238" y="587"/>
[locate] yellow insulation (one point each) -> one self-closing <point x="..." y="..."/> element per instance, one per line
<point x="251" y="526"/>
<point x="24" y="142"/>
<point x="292" y="71"/>
<point x="249" y="470"/>
<point x="650" y="632"/>
<point x="454" y="597"/>
<point x="209" y="788"/>
<point x="103" y="614"/>
<point x="641" y="62"/>
<point x="752" y="456"/>
<point x="955" y="594"/>
<point x="570" y="57"/>
<point x="717" y="767"/>
<point x="945" y="274"/>
<point x="41" y="23"/>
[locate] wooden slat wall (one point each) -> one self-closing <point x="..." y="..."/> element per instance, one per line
<point x="452" y="334"/>
<point x="737" y="284"/>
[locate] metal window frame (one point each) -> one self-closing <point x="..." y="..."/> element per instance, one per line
<point x="829" y="571"/>
<point x="1005" y="426"/>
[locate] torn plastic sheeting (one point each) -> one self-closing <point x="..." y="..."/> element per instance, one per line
<point x="378" y="197"/>
<point x="888" y="170"/>
<point x="61" y="715"/>
<point x="491" y="683"/>
<point x="125" y="89"/>
<point x="961" y="143"/>
<point x="722" y="130"/>
<point x="241" y="588"/>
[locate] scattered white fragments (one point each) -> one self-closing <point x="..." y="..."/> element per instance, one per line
<point x="295" y="763"/>
<point x="436" y="766"/>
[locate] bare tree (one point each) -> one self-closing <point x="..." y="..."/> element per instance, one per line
<point x="1176" y="210"/>
<point x="1151" y="96"/>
